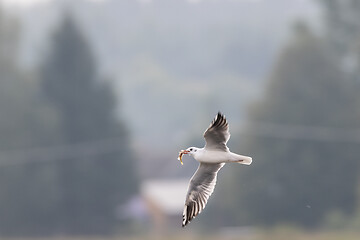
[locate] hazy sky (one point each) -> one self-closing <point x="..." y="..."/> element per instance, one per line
<point x="29" y="2"/>
<point x="22" y="2"/>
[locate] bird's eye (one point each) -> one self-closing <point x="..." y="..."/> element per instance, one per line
<point x="195" y="150"/>
<point x="190" y="149"/>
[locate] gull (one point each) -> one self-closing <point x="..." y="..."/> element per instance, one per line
<point x="211" y="159"/>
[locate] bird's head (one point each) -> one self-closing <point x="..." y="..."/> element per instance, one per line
<point x="191" y="151"/>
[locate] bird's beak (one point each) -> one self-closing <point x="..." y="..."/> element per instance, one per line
<point x="181" y="153"/>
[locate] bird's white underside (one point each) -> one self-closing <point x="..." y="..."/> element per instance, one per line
<point x="209" y="156"/>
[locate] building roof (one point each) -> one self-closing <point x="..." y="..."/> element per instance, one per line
<point x="168" y="195"/>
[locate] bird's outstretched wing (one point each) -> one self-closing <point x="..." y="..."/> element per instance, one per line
<point x="201" y="186"/>
<point x="217" y="134"/>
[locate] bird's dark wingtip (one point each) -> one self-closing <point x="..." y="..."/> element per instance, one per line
<point x="184" y="222"/>
<point x="220" y="115"/>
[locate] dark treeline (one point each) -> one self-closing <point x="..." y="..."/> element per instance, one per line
<point x="302" y="133"/>
<point x="84" y="168"/>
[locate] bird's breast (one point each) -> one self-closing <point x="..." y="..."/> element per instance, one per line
<point x="207" y="156"/>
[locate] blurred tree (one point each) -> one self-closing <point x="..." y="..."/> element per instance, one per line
<point x="91" y="186"/>
<point x="342" y="26"/>
<point x="300" y="180"/>
<point x="27" y="196"/>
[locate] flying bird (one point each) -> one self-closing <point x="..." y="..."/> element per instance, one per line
<point x="211" y="159"/>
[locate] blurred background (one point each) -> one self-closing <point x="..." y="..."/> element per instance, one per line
<point x="98" y="96"/>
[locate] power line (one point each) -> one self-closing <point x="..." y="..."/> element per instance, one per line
<point x="302" y="132"/>
<point x="61" y="152"/>
<point x="93" y="148"/>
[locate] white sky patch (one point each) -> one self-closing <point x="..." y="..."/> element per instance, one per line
<point x="22" y="2"/>
<point x="31" y="2"/>
<point x="198" y="1"/>
<point x="97" y="0"/>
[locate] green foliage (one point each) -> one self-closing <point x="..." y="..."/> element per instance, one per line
<point x="69" y="106"/>
<point x="300" y="179"/>
<point x="342" y="33"/>
<point x="336" y="220"/>
<point x="90" y="187"/>
<point x="341" y="24"/>
<point x="26" y="189"/>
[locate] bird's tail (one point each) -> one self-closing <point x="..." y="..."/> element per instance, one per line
<point x="242" y="159"/>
